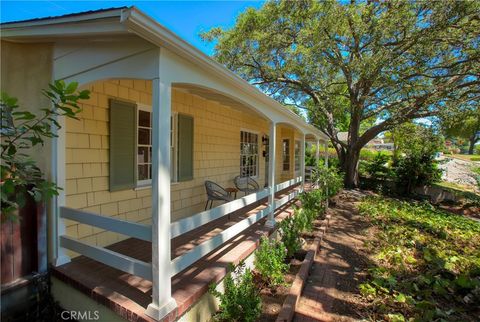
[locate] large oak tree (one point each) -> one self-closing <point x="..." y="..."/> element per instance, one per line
<point x="463" y="122"/>
<point x="364" y="67"/>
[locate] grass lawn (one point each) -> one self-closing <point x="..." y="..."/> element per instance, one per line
<point x="425" y="263"/>
<point x="465" y="157"/>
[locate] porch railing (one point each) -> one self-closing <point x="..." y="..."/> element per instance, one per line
<point x="140" y="231"/>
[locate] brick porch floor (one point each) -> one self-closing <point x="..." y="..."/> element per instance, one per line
<point x="129" y="295"/>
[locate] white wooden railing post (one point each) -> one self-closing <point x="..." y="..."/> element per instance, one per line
<point x="302" y="161"/>
<point x="162" y="300"/>
<point x="271" y="174"/>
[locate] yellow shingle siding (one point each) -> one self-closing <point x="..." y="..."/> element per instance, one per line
<point x="216" y="156"/>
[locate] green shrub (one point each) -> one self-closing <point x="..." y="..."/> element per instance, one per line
<point x="367" y="155"/>
<point x="270" y="261"/>
<point x="475" y="159"/>
<point x="241" y="301"/>
<point x="416" y="170"/>
<point x="305" y="218"/>
<point x="289" y="230"/>
<point x="378" y="166"/>
<point x="329" y="180"/>
<point x="313" y="200"/>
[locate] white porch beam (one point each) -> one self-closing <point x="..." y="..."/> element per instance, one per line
<point x="162" y="300"/>
<point x="271" y="174"/>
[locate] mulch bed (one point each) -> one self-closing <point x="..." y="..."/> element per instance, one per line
<point x="273" y="299"/>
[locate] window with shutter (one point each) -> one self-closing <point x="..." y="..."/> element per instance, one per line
<point x="185" y="147"/>
<point x="123" y="117"/>
<point x="286" y="154"/>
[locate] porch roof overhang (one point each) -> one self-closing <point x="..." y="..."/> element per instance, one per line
<point x="130" y="20"/>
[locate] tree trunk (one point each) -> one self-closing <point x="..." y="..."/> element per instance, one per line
<point x="350" y="167"/>
<point x="472" y="144"/>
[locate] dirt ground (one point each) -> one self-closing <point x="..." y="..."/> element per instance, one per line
<point x="272" y="300"/>
<point x="331" y="293"/>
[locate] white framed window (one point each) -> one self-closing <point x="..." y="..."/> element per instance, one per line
<point x="248" y="154"/>
<point x="286" y="154"/>
<point x="144" y="146"/>
<point x="297" y="155"/>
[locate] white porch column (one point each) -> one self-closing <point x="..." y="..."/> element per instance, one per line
<point x="326" y="165"/>
<point x="302" y="160"/>
<point x="162" y="301"/>
<point x="57" y="225"/>
<point x="317" y="152"/>
<point x="326" y="154"/>
<point x="271" y="174"/>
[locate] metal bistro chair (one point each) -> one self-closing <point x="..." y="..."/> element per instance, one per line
<point x="215" y="192"/>
<point x="246" y="184"/>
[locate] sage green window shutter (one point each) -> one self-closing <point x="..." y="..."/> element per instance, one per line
<point x="123" y="133"/>
<point x="185" y="147"/>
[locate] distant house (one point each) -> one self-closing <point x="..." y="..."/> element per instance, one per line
<point x="375" y="144"/>
<point x="130" y="234"/>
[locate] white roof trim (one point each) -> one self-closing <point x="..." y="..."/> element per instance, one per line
<point x="146" y="27"/>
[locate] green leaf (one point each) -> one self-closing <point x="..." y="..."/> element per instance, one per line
<point x="12" y="149"/>
<point x="465" y="282"/>
<point x="400" y="298"/>
<point x="8" y="100"/>
<point x="395" y="317"/>
<point x="70" y="89"/>
<point x="8" y="186"/>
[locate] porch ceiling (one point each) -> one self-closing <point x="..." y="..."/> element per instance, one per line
<point x="218" y="97"/>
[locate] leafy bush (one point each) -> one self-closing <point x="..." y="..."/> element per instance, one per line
<point x="289" y="230"/>
<point x="241" y="301"/>
<point x="475" y="159"/>
<point x="313" y="200"/>
<point x="305" y="218"/>
<point x="366" y="154"/>
<point x="270" y="261"/>
<point x="426" y="262"/>
<point x="378" y="166"/>
<point x="20" y="131"/>
<point x="414" y="161"/>
<point x="328" y="179"/>
<point x="416" y="170"/>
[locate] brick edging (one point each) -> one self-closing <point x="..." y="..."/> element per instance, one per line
<point x="289" y="305"/>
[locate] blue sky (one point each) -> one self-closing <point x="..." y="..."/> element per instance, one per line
<point x="185" y="18"/>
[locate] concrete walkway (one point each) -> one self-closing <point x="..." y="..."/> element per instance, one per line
<point x="331" y="293"/>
